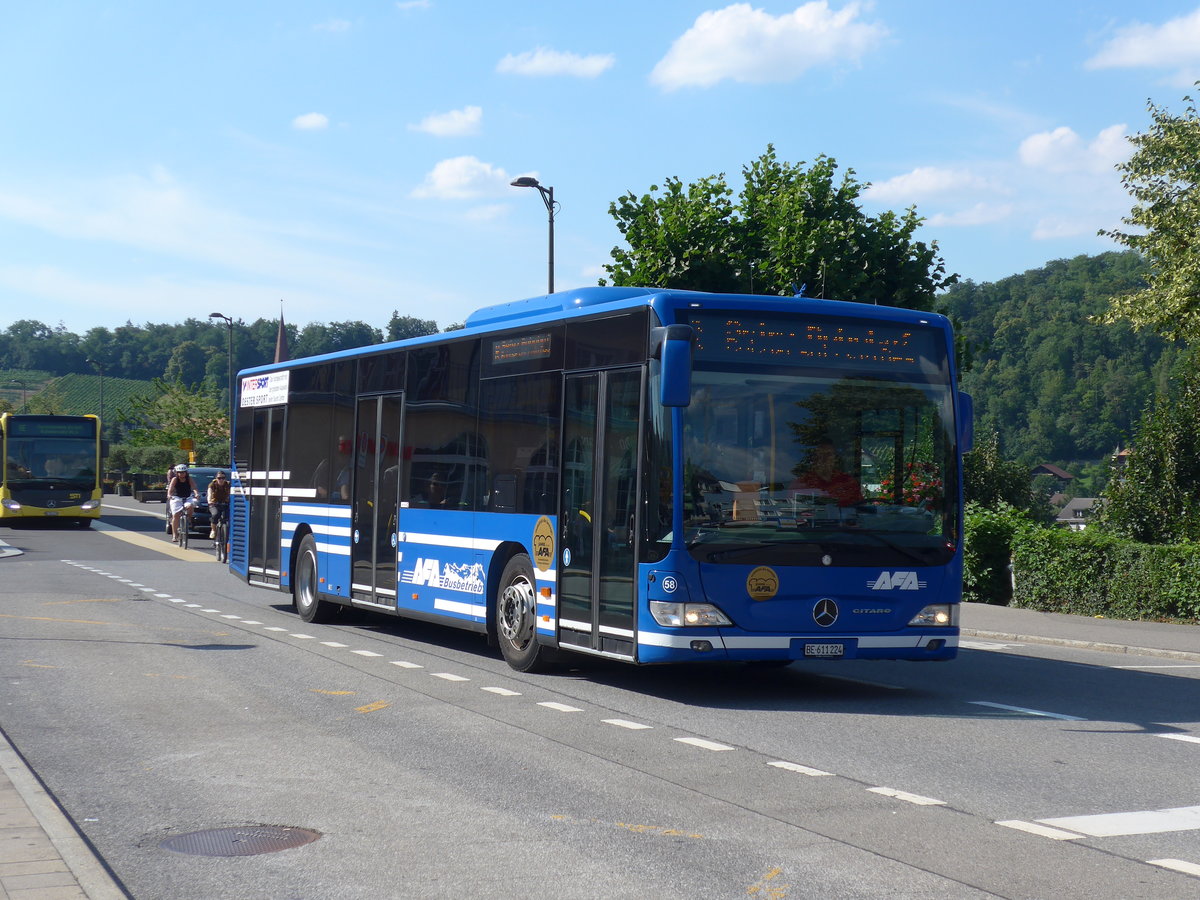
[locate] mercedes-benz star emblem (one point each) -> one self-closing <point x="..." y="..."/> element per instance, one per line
<point x="825" y="613"/>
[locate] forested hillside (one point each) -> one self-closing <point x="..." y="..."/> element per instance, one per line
<point x="1056" y="386"/>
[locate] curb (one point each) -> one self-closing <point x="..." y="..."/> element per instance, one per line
<point x="1082" y="645"/>
<point x="83" y="862"/>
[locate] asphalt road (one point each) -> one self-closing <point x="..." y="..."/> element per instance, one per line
<point x="156" y="696"/>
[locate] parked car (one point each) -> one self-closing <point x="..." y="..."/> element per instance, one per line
<point x="201" y="517"/>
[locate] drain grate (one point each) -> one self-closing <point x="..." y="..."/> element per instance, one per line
<point x="249" y="840"/>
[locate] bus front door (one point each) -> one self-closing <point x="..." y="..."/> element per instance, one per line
<point x="376" y="462"/>
<point x="599" y="510"/>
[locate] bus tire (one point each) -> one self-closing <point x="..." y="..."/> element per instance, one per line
<point x="306" y="585"/>
<point x="516" y="617"/>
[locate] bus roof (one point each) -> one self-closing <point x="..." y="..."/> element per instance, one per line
<point x="581" y="301"/>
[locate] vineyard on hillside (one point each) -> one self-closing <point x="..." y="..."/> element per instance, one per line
<point x="74" y="394"/>
<point x="17" y="385"/>
<point x="79" y="395"/>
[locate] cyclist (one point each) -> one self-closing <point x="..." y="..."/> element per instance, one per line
<point x="181" y="494"/>
<point x="218" y="502"/>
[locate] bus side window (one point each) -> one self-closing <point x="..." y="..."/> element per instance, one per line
<point x="504" y="493"/>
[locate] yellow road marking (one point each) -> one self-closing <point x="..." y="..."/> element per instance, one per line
<point x="636" y="829"/>
<point x="334" y="693"/>
<point x="148" y="543"/>
<point x="29" y="663"/>
<point x="52" y="619"/>
<point x="373" y="707"/>
<point x="766" y="888"/>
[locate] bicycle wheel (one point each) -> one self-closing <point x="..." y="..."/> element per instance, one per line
<point x="185" y="525"/>
<point x="221" y="544"/>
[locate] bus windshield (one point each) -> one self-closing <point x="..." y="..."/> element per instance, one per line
<point x="36" y="460"/>
<point x="833" y="467"/>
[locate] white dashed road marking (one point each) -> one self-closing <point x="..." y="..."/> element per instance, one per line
<point x="625" y="723"/>
<point x="916" y="799"/>
<point x="796" y="767"/>
<point x="703" y="744"/>
<point x="1056" y="834"/>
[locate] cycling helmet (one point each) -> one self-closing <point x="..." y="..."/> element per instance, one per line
<point x="182" y="467"/>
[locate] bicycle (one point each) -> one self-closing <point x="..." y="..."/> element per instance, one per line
<point x="220" y="529"/>
<point x="185" y="523"/>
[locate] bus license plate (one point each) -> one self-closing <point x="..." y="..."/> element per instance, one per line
<point x="52" y="512"/>
<point x="825" y="650"/>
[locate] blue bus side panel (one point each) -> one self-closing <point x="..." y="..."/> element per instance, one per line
<point x="331" y="530"/>
<point x="445" y="558"/>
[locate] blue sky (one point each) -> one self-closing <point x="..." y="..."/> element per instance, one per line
<point x="160" y="161"/>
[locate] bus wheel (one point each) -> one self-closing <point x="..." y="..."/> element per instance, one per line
<point x="516" y="617"/>
<point x="306" y="586"/>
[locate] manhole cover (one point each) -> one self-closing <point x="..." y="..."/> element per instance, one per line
<point x="246" y="841"/>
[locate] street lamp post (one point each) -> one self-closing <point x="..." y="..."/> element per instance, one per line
<point x="229" y="325"/>
<point x="547" y="198"/>
<point x="99" y="367"/>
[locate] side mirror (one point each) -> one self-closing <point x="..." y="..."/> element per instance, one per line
<point x="966" y="422"/>
<point x="672" y="345"/>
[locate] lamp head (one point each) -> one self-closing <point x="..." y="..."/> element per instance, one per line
<point x="525" y="181"/>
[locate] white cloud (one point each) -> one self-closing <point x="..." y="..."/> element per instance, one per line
<point x="313" y="121"/>
<point x="979" y="214"/>
<point x="161" y="217"/>
<point x="333" y="25"/>
<point x="455" y="123"/>
<point x="1063" y="151"/>
<point x="926" y="181"/>
<point x="1173" y="45"/>
<point x="462" y="178"/>
<point x="545" y="62"/>
<point x="749" y="45"/>
<point x="1051" y="228"/>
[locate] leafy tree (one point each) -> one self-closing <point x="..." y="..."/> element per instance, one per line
<point x="1154" y="500"/>
<point x="1163" y="176"/>
<point x="401" y="327"/>
<point x="176" y="412"/>
<point x="992" y="482"/>
<point x="187" y="364"/>
<point x="320" y="338"/>
<point x="1056" y="383"/>
<point x="47" y="402"/>
<point x="790" y="227"/>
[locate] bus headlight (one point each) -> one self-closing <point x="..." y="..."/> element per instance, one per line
<point x="9" y="503"/>
<point x="89" y="504"/>
<point x="937" y="614"/>
<point x="687" y="615"/>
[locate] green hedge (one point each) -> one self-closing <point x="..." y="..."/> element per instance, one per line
<point x="1094" y="574"/>
<point x="987" y="550"/>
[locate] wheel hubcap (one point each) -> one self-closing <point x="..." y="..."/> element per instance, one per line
<point x="517" y="613"/>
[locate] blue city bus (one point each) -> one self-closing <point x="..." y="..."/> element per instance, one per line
<point x="644" y="475"/>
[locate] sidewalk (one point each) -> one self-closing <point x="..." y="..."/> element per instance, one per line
<point x="1113" y="635"/>
<point x="43" y="857"/>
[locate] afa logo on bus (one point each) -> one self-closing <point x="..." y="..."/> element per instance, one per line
<point x="897" y="581"/>
<point x="467" y="578"/>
